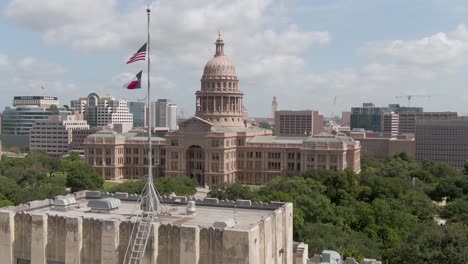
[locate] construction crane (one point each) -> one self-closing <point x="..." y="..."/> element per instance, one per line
<point x="411" y="96"/>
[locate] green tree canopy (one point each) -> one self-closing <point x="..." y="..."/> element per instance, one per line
<point x="81" y="176"/>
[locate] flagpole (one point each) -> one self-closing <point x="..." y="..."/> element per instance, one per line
<point x="150" y="154"/>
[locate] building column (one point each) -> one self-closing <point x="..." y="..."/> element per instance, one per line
<point x="7" y="233"/>
<point x="315" y="160"/>
<point x="327" y="166"/>
<point x="189" y="244"/>
<point x="110" y="242"/>
<point x="214" y="104"/>
<point x="73" y="240"/>
<point x="38" y="238"/>
<point x="222" y="103"/>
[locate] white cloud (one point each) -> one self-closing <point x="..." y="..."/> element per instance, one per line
<point x="3" y="60"/>
<point x="27" y="76"/>
<point x="441" y="52"/>
<point x="31" y="66"/>
<point x="40" y="15"/>
<point x="262" y="40"/>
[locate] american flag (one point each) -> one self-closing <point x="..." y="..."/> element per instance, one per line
<point x="139" y="55"/>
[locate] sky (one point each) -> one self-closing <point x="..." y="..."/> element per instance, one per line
<point x="326" y="55"/>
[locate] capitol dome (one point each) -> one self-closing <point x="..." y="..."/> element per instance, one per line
<point x="219" y="65"/>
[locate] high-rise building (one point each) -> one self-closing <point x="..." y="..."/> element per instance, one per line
<point x="346" y="118"/>
<point x="18" y="121"/>
<point x="390" y="123"/>
<point x="40" y="101"/>
<point x="54" y="135"/>
<point x="274" y="106"/>
<point x="164" y="114"/>
<point x="102" y="110"/>
<point x="407" y="121"/>
<point x="91" y="108"/>
<point x="79" y="136"/>
<point x="442" y="141"/>
<point x="374" y="145"/>
<point x="138" y="109"/>
<point x="298" y="123"/>
<point x="369" y="117"/>
<point x="79" y="105"/>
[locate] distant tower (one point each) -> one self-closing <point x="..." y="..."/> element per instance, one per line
<point x="274" y="106"/>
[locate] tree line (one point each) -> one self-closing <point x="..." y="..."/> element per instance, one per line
<point x="38" y="177"/>
<point x="386" y="212"/>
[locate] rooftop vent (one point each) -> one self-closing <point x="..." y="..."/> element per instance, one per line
<point x="104" y="205"/>
<point x="191" y="208"/>
<point x="224" y="223"/>
<point x="63" y="203"/>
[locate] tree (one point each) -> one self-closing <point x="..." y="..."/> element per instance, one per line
<point x="456" y="211"/>
<point x="81" y="176"/>
<point x="264" y="125"/>
<point x="179" y="185"/>
<point x="131" y="186"/>
<point x="232" y="191"/>
<point x="432" y="244"/>
<point x="465" y="167"/>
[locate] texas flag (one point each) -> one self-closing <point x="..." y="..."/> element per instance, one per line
<point x="135" y="83"/>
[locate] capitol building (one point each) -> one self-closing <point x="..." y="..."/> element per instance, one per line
<point x="217" y="145"/>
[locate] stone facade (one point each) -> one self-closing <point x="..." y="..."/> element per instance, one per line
<point x="37" y="233"/>
<point x="216" y="145"/>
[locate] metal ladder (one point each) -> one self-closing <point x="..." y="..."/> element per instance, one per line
<point x="143" y="230"/>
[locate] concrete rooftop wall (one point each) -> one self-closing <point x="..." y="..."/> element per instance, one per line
<point x="41" y="237"/>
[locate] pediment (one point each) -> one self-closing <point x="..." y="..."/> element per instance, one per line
<point x="195" y="124"/>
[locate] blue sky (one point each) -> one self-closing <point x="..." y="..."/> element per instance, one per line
<point x="303" y="52"/>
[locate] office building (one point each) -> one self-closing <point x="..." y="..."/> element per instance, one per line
<point x="442" y="141"/>
<point x="374" y="145"/>
<point x="369" y="117"/>
<point x="91" y="108"/>
<point x="54" y="135"/>
<point x="103" y="110"/>
<point x="79" y="136"/>
<point x="138" y="109"/>
<point x="346" y="118"/>
<point x="298" y="123"/>
<point x="164" y="114"/>
<point x="407" y="121"/>
<point x="40" y="101"/>
<point x="216" y="147"/>
<point x="390" y="124"/>
<point x="79" y="105"/>
<point x="18" y="121"/>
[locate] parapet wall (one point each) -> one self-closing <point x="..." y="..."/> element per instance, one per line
<point x="179" y="200"/>
<point x="215" y="202"/>
<point x="41" y="237"/>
